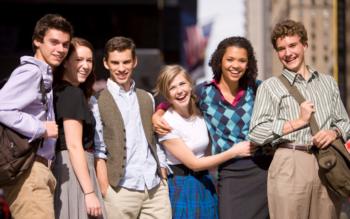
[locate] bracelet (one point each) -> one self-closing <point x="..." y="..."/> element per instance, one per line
<point x="88" y="193"/>
<point x="290" y="124"/>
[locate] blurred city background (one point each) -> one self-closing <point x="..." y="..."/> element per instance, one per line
<point x="186" y="32"/>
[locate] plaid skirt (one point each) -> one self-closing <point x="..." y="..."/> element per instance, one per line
<point x="193" y="197"/>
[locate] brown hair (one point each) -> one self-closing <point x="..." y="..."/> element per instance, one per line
<point x="89" y="82"/>
<point x="119" y="44"/>
<point x="166" y="76"/>
<point x="50" y="21"/>
<point x="288" y="28"/>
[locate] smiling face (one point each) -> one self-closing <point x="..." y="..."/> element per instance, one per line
<point x="121" y="65"/>
<point x="234" y="64"/>
<point x="179" y="92"/>
<point x="79" y="65"/>
<point x="53" y="48"/>
<point x="291" y="52"/>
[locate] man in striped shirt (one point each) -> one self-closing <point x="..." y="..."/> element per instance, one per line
<point x="295" y="189"/>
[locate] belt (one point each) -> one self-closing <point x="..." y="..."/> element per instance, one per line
<point x="182" y="170"/>
<point x="300" y="147"/>
<point x="43" y="160"/>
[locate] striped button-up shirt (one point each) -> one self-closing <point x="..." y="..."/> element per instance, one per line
<point x="274" y="106"/>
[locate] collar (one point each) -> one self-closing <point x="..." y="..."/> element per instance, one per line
<point x="293" y="76"/>
<point x="116" y="88"/>
<point x="43" y="66"/>
<point x="239" y="95"/>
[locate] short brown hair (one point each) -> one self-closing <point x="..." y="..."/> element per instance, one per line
<point x="119" y="44"/>
<point x="288" y="28"/>
<point x="50" y="21"/>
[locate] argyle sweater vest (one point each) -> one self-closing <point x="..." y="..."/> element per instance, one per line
<point x="227" y="124"/>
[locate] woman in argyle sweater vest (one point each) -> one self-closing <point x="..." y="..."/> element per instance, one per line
<point x="226" y="104"/>
<point x="191" y="189"/>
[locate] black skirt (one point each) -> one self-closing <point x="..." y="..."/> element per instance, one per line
<point x="242" y="190"/>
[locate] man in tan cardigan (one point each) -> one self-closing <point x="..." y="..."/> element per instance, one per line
<point x="128" y="159"/>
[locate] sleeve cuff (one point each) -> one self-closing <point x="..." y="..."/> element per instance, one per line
<point x="341" y="132"/>
<point x="40" y="131"/>
<point x="163" y="164"/>
<point x="277" y="127"/>
<point x="100" y="155"/>
<point x="163" y="106"/>
<point x="161" y="155"/>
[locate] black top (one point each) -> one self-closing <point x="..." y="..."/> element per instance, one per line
<point x="71" y="103"/>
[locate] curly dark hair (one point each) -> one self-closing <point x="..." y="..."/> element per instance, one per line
<point x="89" y="82"/>
<point x="249" y="78"/>
<point x="288" y="28"/>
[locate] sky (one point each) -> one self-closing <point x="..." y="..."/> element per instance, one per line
<point x="229" y="20"/>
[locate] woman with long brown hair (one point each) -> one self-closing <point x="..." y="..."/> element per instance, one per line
<point x="77" y="193"/>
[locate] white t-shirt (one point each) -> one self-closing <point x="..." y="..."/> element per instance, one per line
<point x="192" y="131"/>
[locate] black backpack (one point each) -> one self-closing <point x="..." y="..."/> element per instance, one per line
<point x="16" y="153"/>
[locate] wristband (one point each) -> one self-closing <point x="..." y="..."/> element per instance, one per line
<point x="87" y="193"/>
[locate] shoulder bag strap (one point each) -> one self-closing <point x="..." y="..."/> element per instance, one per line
<point x="299" y="98"/>
<point x="338" y="143"/>
<point x="43" y="94"/>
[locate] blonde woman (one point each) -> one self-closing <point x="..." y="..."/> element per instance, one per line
<point x="192" y="192"/>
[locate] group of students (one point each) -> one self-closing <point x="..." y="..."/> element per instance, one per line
<point x="104" y="152"/>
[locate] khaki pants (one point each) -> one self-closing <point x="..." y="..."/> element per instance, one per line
<point x="132" y="204"/>
<point x="295" y="189"/>
<point x="31" y="196"/>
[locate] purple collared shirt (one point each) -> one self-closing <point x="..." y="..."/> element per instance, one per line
<point x="21" y="107"/>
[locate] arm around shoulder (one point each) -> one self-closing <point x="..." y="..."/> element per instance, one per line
<point x="264" y="125"/>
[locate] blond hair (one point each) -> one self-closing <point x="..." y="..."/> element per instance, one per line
<point x="166" y="76"/>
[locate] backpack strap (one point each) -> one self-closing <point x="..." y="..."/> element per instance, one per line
<point x="43" y="92"/>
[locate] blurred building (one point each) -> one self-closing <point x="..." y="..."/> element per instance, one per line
<point x="326" y="25"/>
<point x="156" y="26"/>
<point x="258" y="27"/>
